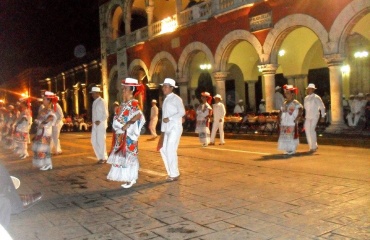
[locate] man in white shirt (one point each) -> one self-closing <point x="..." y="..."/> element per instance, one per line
<point x="99" y="125"/>
<point x="239" y="108"/>
<point x="55" y="143"/>
<point x="218" y="120"/>
<point x="171" y="129"/>
<point x="153" y="119"/>
<point x="278" y="98"/>
<point x="357" y="110"/>
<point x="312" y="105"/>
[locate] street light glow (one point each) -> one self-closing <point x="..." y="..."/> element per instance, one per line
<point x="361" y="54"/>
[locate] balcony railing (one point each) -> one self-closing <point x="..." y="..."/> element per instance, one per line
<point x="193" y="15"/>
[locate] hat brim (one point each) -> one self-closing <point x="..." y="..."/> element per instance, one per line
<point x="95" y="91"/>
<point x="168" y="85"/>
<point x="311" y="88"/>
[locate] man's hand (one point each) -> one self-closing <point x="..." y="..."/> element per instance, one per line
<point x="97" y="122"/>
<point x="166" y="120"/>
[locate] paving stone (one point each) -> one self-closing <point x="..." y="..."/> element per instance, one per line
<point x="182" y="230"/>
<point x="250" y="223"/>
<point x="108" y="235"/>
<point x="232" y="234"/>
<point x="207" y="216"/>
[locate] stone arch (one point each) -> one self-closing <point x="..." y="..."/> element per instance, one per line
<point x="186" y="53"/>
<point x="228" y="42"/>
<point x="283" y="27"/>
<point x="108" y="14"/>
<point x="157" y="58"/>
<point x="344" y="23"/>
<point x="138" y="62"/>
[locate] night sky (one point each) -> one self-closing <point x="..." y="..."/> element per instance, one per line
<point x="44" y="33"/>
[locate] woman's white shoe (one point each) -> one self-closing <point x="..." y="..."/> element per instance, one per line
<point x="46" y="167"/>
<point x="128" y="185"/>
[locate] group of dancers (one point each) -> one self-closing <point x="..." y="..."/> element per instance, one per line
<point x="15" y="125"/>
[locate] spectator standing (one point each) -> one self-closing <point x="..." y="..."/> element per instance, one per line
<point x="219" y="113"/>
<point x="99" y="125"/>
<point x="313" y="106"/>
<point x="278" y="98"/>
<point x="262" y="106"/>
<point x="171" y="129"/>
<point x="153" y="119"/>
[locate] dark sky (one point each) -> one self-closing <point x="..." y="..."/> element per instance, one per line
<point x="41" y="33"/>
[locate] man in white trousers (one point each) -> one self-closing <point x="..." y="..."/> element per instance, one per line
<point x="55" y="143"/>
<point x="218" y="120"/>
<point x="99" y="125"/>
<point x="153" y="119"/>
<point x="171" y="129"/>
<point x="312" y="105"/>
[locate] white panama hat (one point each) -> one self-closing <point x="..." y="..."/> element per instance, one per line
<point x="130" y="82"/>
<point x="94" y="89"/>
<point x="169" y="81"/>
<point x="311" y="85"/>
<point x="154" y="101"/>
<point x="218" y="96"/>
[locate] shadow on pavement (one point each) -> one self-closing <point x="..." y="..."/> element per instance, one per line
<point x="284" y="156"/>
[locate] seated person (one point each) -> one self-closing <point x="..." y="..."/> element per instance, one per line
<point x="82" y="124"/>
<point x="68" y="123"/>
<point x="10" y="201"/>
<point x="239" y="109"/>
<point x="190" y="117"/>
<point x="262" y="106"/>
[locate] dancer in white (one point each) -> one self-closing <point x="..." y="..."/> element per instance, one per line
<point x="22" y="128"/>
<point x="218" y="120"/>
<point x="127" y="124"/>
<point x="99" y="125"/>
<point x="204" y="113"/>
<point x="290" y="114"/>
<point x="153" y="119"/>
<point x="55" y="142"/>
<point x="171" y="129"/>
<point x="312" y="105"/>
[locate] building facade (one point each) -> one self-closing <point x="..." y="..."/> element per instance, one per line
<point x="240" y="49"/>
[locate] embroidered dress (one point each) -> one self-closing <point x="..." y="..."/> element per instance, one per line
<point x="202" y="126"/>
<point x="41" y="144"/>
<point x="124" y="157"/>
<point x="21" y="134"/>
<point x="286" y="141"/>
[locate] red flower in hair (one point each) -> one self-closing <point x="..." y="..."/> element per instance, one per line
<point x="135" y="103"/>
<point x="126" y="112"/>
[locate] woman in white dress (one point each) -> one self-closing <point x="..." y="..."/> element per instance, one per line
<point x="127" y="124"/>
<point x="290" y="114"/>
<point x="204" y="112"/>
<point x="41" y="143"/>
<point x="22" y="129"/>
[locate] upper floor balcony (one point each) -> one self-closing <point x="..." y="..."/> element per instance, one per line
<point x="188" y="17"/>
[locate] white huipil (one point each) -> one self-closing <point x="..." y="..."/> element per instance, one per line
<point x="153" y="120"/>
<point x="55" y="142"/>
<point x="202" y="125"/>
<point x="312" y="105"/>
<point x="174" y="110"/>
<point x="22" y="129"/>
<point x="98" y="132"/>
<point x="218" y="121"/>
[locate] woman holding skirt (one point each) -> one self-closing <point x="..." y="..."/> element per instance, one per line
<point x="290" y="114"/>
<point x="22" y="129"/>
<point x="127" y="124"/>
<point x="41" y="142"/>
<point x="204" y="112"/>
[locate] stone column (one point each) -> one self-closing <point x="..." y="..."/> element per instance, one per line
<point x="252" y="94"/>
<point x="335" y="62"/>
<point x="64" y="102"/>
<point x="76" y="88"/>
<point x="64" y="81"/>
<point x="301" y="84"/>
<point x="220" y="78"/>
<point x="86" y="71"/>
<point x="85" y="95"/>
<point x="149" y="11"/>
<point x="268" y="80"/>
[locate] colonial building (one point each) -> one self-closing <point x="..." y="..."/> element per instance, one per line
<point x="240" y="49"/>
